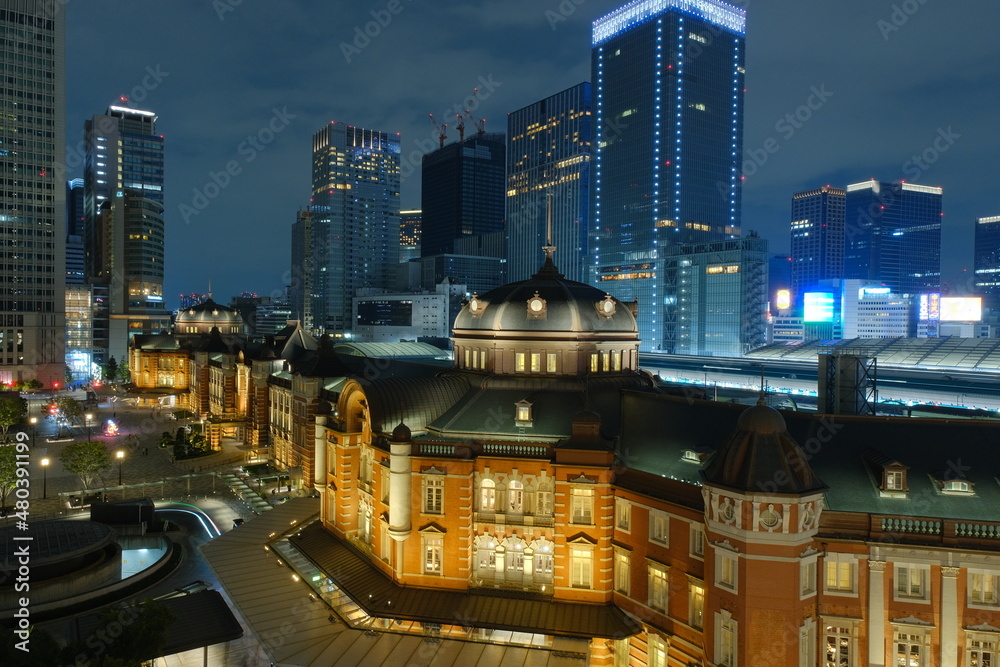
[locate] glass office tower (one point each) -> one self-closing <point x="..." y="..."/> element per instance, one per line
<point x="668" y="78"/>
<point x="32" y="201"/>
<point x="987" y="261"/>
<point x="355" y="200"/>
<point x="817" y="229"/>
<point x="548" y="153"/>
<point x="892" y="235"/>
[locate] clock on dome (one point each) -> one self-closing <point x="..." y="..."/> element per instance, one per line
<point x="536" y="307"/>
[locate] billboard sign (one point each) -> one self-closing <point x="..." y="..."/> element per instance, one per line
<point x="818" y="307"/>
<point x="961" y="309"/>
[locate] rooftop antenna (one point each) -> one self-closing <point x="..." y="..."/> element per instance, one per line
<point x="548" y="247"/>
<point x="209" y="288"/>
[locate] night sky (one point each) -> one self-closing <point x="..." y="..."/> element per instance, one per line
<point x="896" y="77"/>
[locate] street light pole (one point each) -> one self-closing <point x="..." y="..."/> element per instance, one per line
<point x="120" y="455"/>
<point x="33" y="421"/>
<point x="87" y="417"/>
<point x="45" y="478"/>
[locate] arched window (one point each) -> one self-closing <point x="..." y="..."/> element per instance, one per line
<point x="486" y="558"/>
<point x="515" y="497"/>
<point x="488" y="496"/>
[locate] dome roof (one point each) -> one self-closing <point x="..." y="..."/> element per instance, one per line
<point x="546" y="302"/>
<point x="760" y="457"/>
<point x="206" y="315"/>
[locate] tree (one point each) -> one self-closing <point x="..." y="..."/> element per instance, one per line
<point x="8" y="472"/>
<point x="143" y="639"/>
<point x="124" y="374"/>
<point x="70" y="408"/>
<point x="13" y="408"/>
<point x="86" y="460"/>
<point x="111" y="370"/>
<point x="69" y="375"/>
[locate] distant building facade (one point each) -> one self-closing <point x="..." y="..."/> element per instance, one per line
<point x="892" y="235"/>
<point x="549" y="145"/>
<point x="817" y="230"/>
<point x="987" y="261"/>
<point x="668" y="82"/>
<point x="410" y="224"/>
<point x="32" y="308"/>
<point x="355" y="203"/>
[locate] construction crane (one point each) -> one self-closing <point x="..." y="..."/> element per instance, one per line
<point x="441" y="129"/>
<point x="479" y="123"/>
<point x="460" y="126"/>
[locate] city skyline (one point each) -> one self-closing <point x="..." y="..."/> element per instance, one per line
<point x="228" y="102"/>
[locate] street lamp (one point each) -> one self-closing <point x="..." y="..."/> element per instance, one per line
<point x="87" y="417"/>
<point x="33" y="421"/>
<point x="120" y="455"/>
<point x="45" y="479"/>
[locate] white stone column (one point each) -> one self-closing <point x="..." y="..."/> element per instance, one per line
<point x="949" y="617"/>
<point x="399" y="490"/>
<point x="876" y="614"/>
<point x="319" y="444"/>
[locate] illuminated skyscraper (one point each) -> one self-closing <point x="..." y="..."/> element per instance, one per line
<point x="32" y="201"/>
<point x="987" y="261"/>
<point x="817" y="237"/>
<point x="355" y="197"/>
<point x="668" y="78"/>
<point x="548" y="153"/>
<point x="124" y="240"/>
<point x="892" y="235"/>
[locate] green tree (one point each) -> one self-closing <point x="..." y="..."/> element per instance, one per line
<point x="124" y="374"/>
<point x="86" y="460"/>
<point x="70" y="408"/>
<point x="13" y="408"/>
<point x="111" y="370"/>
<point x="69" y="375"/>
<point x="8" y="472"/>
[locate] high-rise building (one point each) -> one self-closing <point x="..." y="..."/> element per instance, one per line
<point x="123" y="205"/>
<point x="409" y="234"/>
<point x="308" y="284"/>
<point x="668" y="78"/>
<point x="76" y="220"/>
<point x="892" y="235"/>
<point x="987" y="261"/>
<point x="32" y="201"/>
<point x="463" y="188"/>
<point x="817" y="237"/>
<point x="721" y="290"/>
<point x="355" y="196"/>
<point x="548" y="156"/>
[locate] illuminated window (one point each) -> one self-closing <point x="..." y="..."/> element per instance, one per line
<point x="522" y="413"/>
<point x="983" y="587"/>
<point x="658" y="586"/>
<point x="594" y="362"/>
<point x="536" y="362"/>
<point x="622" y="572"/>
<point x="433" y="494"/>
<point x="807" y="577"/>
<point x="696" y="606"/>
<point x="725" y="640"/>
<point x="725" y="570"/>
<point x="487" y="496"/>
<point x="841" y="573"/>
<point x="616" y="360"/>
<point x="515" y="497"/>
<point x="519" y="362"/>
<point x="581" y="505"/>
<point x="433" y="551"/>
<point x="581" y="566"/>
<point x="659" y="527"/>
<point x="911" y="581"/>
<point x="605" y="361"/>
<point x="839" y="646"/>
<point x="912" y="648"/>
<point x="623" y="514"/>
<point x="550" y="362"/>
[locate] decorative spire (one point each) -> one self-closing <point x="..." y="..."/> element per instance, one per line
<point x="548" y="269"/>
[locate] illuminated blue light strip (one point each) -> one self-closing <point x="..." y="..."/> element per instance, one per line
<point x="625" y="18"/>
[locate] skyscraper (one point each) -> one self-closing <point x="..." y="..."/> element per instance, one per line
<point x="668" y="77"/>
<point x="355" y="195"/>
<point x="76" y="221"/>
<point x="987" y="261"/>
<point x="892" y="235"/>
<point x="308" y="287"/>
<point x="463" y="189"/>
<point x="409" y="234"/>
<point x="817" y="237"/>
<point x="32" y="202"/>
<point x="548" y="153"/>
<point x="123" y="205"/>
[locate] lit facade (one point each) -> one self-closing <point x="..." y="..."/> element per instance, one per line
<point x="309" y="280"/>
<point x="355" y="202"/>
<point x="393" y="317"/>
<point x="892" y="235"/>
<point x="817" y="230"/>
<point x="409" y="234"/>
<point x="79" y="331"/>
<point x="124" y="230"/>
<point x="872" y="311"/>
<point x="987" y="261"/>
<point x="668" y="80"/>
<point x="721" y="296"/>
<point x="548" y="156"/>
<point x="32" y="203"/>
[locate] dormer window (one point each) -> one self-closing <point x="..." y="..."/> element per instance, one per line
<point x="957" y="486"/>
<point x="522" y="413"/>
<point x="691" y="456"/>
<point x="893" y="482"/>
